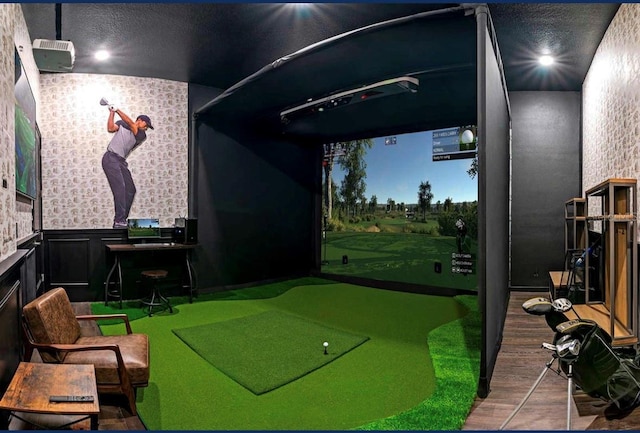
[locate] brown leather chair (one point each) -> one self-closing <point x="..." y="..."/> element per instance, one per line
<point x="121" y="361"/>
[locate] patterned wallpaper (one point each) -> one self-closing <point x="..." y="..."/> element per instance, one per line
<point x="15" y="217"/>
<point x="75" y="191"/>
<point x="73" y="124"/>
<point x="611" y="103"/>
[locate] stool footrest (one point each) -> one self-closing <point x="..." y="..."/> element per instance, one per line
<point x="156" y="299"/>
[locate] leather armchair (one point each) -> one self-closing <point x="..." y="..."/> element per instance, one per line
<point x="121" y="361"/>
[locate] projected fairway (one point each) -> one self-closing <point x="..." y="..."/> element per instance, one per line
<point x="404" y="257"/>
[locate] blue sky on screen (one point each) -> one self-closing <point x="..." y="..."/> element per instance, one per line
<point x="395" y="171"/>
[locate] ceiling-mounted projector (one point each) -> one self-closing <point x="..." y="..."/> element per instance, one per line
<point x="372" y="91"/>
<point x="54" y="56"/>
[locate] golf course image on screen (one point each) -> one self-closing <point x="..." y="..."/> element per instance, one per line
<point x="391" y="212"/>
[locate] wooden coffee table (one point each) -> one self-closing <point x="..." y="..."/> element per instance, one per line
<point x="33" y="383"/>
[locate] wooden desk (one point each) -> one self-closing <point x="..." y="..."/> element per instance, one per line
<point x="119" y="249"/>
<point x="33" y="383"/>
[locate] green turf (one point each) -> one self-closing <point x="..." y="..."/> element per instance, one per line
<point x="402" y="257"/>
<point x="391" y="374"/>
<point x="265" y="351"/>
<point x="135" y="310"/>
<point x="455" y="351"/>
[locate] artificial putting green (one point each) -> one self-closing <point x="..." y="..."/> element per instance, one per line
<point x="265" y="351"/>
<point x="391" y="374"/>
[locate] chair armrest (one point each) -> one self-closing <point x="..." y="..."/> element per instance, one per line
<point x="81" y="348"/>
<point x="107" y="316"/>
<point x="122" y="371"/>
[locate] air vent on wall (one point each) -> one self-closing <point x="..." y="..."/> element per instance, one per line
<point x="54" y="55"/>
<point x="361" y="94"/>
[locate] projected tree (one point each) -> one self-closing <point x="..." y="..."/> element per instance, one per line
<point x="353" y="185"/>
<point x="473" y="169"/>
<point x="373" y="204"/>
<point x="352" y="161"/>
<point x="424" y="198"/>
<point x="332" y="151"/>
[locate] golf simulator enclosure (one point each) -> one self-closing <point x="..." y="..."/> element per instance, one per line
<point x="255" y="178"/>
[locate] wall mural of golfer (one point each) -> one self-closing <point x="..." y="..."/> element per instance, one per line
<point x="398" y="212"/>
<point x="76" y="192"/>
<point x="127" y="136"/>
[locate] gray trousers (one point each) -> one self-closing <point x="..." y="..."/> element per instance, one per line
<point x="119" y="177"/>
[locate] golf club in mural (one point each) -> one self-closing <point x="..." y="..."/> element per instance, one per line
<point x="105" y="103"/>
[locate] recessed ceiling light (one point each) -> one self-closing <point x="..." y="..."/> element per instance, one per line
<point x="102" y="55"/>
<point x="546" y="60"/>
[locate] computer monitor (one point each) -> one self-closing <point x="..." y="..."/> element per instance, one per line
<point x="143" y="228"/>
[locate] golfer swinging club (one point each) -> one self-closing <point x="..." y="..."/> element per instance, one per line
<point x="128" y="135"/>
<point x="461" y="234"/>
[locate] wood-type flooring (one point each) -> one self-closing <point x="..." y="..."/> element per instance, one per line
<point x="519" y="364"/>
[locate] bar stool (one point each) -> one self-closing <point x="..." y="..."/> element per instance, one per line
<point x="156" y="299"/>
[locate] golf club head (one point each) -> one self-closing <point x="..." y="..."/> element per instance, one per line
<point x="549" y="346"/>
<point x="561" y="304"/>
<point x="568" y="346"/>
<point x="537" y="306"/>
<point x="103" y="101"/>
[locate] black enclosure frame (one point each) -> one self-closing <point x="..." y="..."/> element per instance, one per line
<point x="247" y="167"/>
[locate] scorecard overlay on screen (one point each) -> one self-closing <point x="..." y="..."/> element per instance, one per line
<point x="454" y="143"/>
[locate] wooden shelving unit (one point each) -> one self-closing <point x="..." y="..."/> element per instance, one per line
<point x="575" y="224"/>
<point x="617" y="201"/>
<point x="575" y="238"/>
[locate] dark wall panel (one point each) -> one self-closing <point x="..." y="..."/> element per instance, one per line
<point x="68" y="260"/>
<point x="11" y="272"/>
<point x="255" y="205"/>
<point x="198" y="96"/>
<point x="79" y="261"/>
<point x="29" y="277"/>
<point x="493" y="201"/>
<point x="546" y="173"/>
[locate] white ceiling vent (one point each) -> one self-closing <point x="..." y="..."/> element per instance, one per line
<point x="54" y="55"/>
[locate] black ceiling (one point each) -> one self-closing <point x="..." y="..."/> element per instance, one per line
<point x="412" y="47"/>
<point x="218" y="45"/>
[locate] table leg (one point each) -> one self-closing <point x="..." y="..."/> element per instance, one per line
<point x="119" y="283"/>
<point x="190" y="274"/>
<point x="108" y="281"/>
<point x="107" y="284"/>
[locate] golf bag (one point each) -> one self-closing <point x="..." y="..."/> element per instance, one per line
<point x="584" y="352"/>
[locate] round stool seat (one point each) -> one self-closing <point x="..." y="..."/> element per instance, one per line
<point x="156" y="299"/>
<point x="155" y="274"/>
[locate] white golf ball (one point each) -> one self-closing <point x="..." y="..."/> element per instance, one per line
<point x="325" y="344"/>
<point x="467" y="137"/>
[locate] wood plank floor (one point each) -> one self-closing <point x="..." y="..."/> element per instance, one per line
<point x="520" y="362"/>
